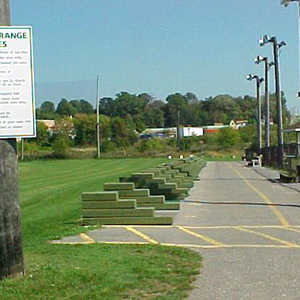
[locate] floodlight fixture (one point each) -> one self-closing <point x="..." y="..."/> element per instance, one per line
<point x="282" y="44"/>
<point x="271" y="64"/>
<point x="249" y="77"/>
<point x="258" y="59"/>
<point x="264" y="40"/>
<point x="287" y="2"/>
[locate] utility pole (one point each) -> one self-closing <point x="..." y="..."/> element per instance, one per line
<point x="178" y="129"/>
<point x="279" y="104"/>
<point x="98" y="119"/>
<point x="258" y="99"/>
<point x="11" y="253"/>
<point x="258" y="60"/>
<point x="276" y="46"/>
<point x="258" y="109"/>
<point x="267" y="105"/>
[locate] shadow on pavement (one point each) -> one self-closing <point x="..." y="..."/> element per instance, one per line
<point x="242" y="203"/>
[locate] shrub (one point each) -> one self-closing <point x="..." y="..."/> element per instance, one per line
<point x="61" y="146"/>
<point x="151" y="145"/>
<point x="228" y="138"/>
<point x="107" y="146"/>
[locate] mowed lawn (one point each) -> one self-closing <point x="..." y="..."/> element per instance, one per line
<point x="50" y="204"/>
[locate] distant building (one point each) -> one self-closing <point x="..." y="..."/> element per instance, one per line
<point x="237" y="124"/>
<point x="171" y="132"/>
<point x="213" y="128"/>
<point x="50" y="124"/>
<point x="192" y="131"/>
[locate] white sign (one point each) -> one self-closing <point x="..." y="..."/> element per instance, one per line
<point x="17" y="109"/>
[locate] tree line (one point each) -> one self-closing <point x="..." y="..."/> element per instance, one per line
<point x="143" y="111"/>
<point x="122" y="119"/>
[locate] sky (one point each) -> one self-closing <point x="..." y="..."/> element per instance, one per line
<point x="158" y="47"/>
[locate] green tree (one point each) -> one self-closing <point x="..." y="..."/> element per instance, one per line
<point x="228" y="138"/>
<point x="64" y="108"/>
<point x="176" y="106"/>
<point x="85" y="129"/>
<point x="46" y="111"/>
<point x="61" y="146"/>
<point x="42" y="136"/>
<point x="154" y="114"/>
<point x="82" y="106"/>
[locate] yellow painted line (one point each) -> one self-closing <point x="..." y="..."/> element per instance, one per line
<point x="281" y="218"/>
<point x="138" y="226"/>
<point x="227" y="246"/>
<point x="201" y="236"/>
<point x="267" y="236"/>
<point x="290" y="229"/>
<point x="191" y="246"/>
<point x="184" y="245"/>
<point x="203" y="227"/>
<point x="68" y="243"/>
<point x="125" y="243"/>
<point x="140" y="234"/>
<point x="87" y="239"/>
<point x="234" y="226"/>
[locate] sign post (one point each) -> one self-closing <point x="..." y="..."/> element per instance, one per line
<point x="17" y="119"/>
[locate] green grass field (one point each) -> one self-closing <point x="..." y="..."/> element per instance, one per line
<point x="49" y="197"/>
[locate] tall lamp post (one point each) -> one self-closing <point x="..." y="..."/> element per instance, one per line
<point x="276" y="46"/>
<point x="258" y="60"/>
<point x="258" y="115"/>
<point x="286" y="3"/>
<point x="98" y="118"/>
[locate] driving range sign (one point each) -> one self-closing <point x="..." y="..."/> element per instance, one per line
<point x="17" y="108"/>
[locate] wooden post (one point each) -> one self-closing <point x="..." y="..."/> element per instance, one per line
<point x="11" y="253"/>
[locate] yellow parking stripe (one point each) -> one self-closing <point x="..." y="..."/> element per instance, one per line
<point x="204" y="227"/>
<point x="87" y="239"/>
<point x="140" y="234"/>
<point x="201" y="236"/>
<point x="267" y="236"/>
<point x="67" y="243"/>
<point x="182" y="245"/>
<point x="281" y="218"/>
<point x="290" y="229"/>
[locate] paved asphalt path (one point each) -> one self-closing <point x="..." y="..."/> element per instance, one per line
<point x="244" y="223"/>
<point x="234" y="195"/>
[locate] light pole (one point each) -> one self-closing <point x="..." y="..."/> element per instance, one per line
<point x="98" y="119"/>
<point x="276" y="46"/>
<point x="258" y="60"/>
<point x="258" y="115"/>
<point x="286" y="3"/>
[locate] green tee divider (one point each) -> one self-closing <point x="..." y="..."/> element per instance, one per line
<point x="172" y="179"/>
<point x="106" y="208"/>
<point x="142" y="196"/>
<point x="134" y="199"/>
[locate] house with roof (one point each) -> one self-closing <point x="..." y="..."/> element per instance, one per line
<point x="237" y="124"/>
